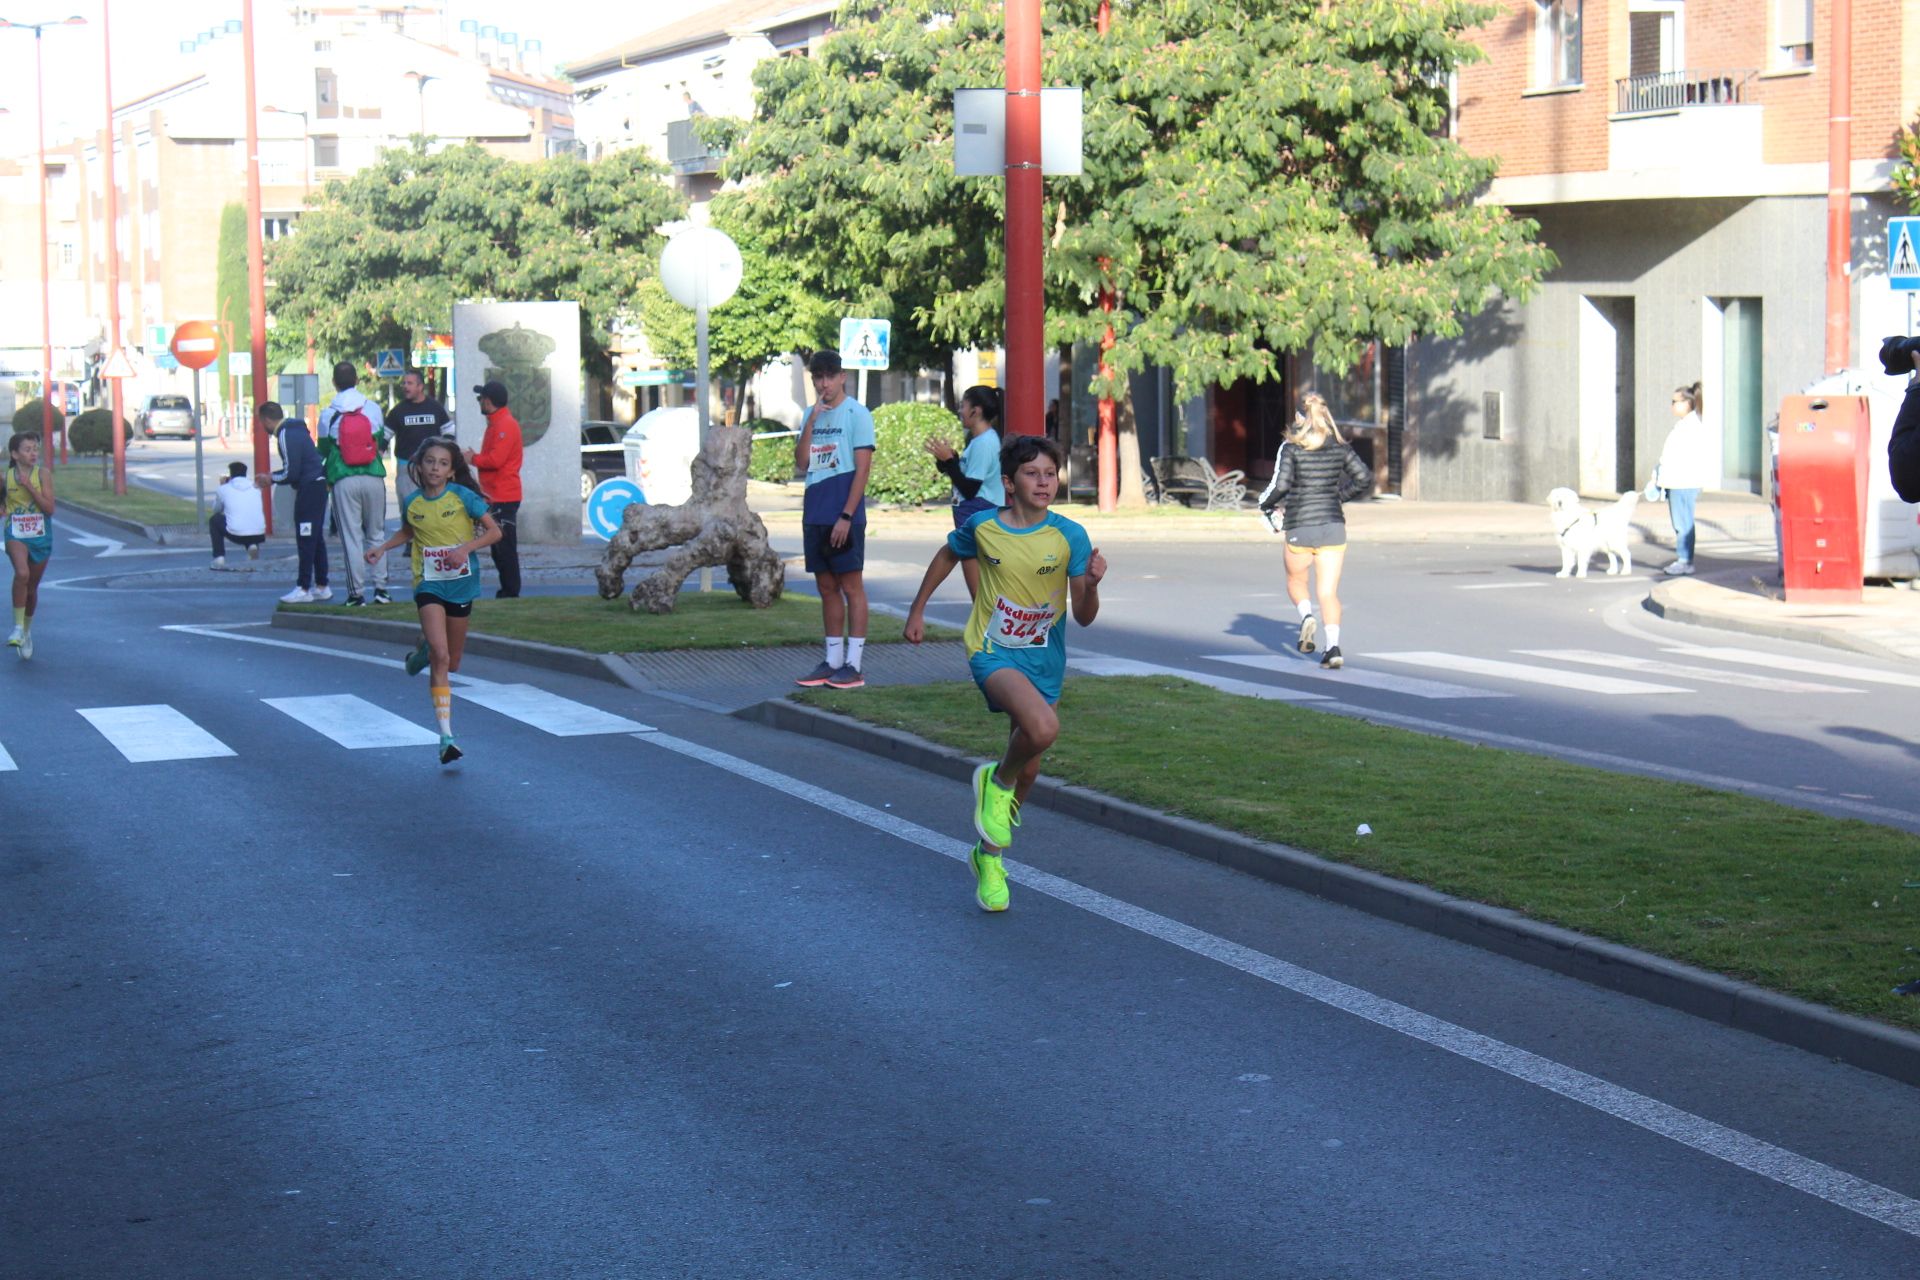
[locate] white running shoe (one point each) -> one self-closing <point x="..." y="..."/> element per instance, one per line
<point x="323" y="593"/>
<point x="219" y="562"/>
<point x="299" y="595"/>
<point x="26" y="645"/>
<point x="253" y="552"/>
<point x="14" y="638"/>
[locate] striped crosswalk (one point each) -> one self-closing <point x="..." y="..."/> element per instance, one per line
<point x="145" y="735"/>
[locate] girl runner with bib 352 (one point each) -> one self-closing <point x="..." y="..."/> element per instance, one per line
<point x="29" y="537"/>
<point x="447" y="521"/>
<point x="1031" y="562"/>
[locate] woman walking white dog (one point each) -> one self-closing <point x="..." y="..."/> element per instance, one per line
<point x="1316" y="472"/>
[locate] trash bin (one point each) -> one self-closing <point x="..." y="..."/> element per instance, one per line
<point x="1823" y="496"/>
<point x="660" y="450"/>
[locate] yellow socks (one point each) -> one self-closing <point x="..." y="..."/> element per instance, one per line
<point x="443" y="709"/>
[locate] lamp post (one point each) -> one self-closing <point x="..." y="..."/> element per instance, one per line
<point x="701" y="268"/>
<point x="115" y="352"/>
<point x="306" y="144"/>
<point x="256" y="266"/>
<point x="46" y="284"/>
<point x="420" y="79"/>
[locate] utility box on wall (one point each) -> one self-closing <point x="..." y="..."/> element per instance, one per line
<point x="1823" y="497"/>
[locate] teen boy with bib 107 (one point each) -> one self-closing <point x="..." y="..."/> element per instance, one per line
<point x="1031" y="563"/>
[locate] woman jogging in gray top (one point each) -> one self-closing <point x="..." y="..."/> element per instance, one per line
<point x="1315" y="473"/>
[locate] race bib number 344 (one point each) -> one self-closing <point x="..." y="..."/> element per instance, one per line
<point x="1019" y="626"/>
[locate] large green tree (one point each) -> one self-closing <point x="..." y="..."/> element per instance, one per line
<point x="379" y="259"/>
<point x="230" y="284"/>
<point x="1261" y="177"/>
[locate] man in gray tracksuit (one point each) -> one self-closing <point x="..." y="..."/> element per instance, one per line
<point x="353" y="440"/>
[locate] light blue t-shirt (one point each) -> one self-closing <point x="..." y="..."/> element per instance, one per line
<point x="837" y="433"/>
<point x="981" y="461"/>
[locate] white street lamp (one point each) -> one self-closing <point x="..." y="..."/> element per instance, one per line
<point x="701" y="268"/>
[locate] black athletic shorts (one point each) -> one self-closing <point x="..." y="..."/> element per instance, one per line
<point x="823" y="557"/>
<point x="422" y="599"/>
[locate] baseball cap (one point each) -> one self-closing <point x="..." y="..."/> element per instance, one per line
<point x="493" y="391"/>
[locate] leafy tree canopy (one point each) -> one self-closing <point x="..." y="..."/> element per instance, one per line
<point x="770" y="315"/>
<point x="1261" y="176"/>
<point x="380" y="258"/>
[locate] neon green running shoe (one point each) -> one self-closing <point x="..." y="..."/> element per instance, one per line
<point x="992" y="808"/>
<point x="989" y="879"/>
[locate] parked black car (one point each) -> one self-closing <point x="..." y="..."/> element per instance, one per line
<point x="602" y="456"/>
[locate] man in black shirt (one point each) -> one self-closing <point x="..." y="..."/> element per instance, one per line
<point x="415" y="420"/>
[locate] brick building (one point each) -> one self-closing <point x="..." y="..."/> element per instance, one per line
<point x="1674" y="155"/>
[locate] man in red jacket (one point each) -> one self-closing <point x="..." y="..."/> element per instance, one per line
<point x="498" y="462"/>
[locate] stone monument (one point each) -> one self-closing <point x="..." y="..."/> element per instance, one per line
<point x="712" y="528"/>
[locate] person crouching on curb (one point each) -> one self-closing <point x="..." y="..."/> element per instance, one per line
<point x="1031" y="562"/>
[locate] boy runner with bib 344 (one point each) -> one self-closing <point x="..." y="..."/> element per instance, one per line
<point x="1032" y="562"/>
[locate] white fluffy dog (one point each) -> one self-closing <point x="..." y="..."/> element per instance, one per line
<point x="1581" y="532"/>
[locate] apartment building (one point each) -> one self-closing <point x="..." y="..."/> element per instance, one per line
<point x="335" y="86"/>
<point x="1674" y="153"/>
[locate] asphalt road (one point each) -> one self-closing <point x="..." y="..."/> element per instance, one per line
<point x="689" y="997"/>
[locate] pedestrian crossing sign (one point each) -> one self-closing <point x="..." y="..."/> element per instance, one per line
<point x="388" y="363"/>
<point x="1903" y="253"/>
<point x="865" y="344"/>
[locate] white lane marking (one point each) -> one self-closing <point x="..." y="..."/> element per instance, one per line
<point x="145" y="735"/>
<point x="549" y="712"/>
<point x="394" y="663"/>
<point x="1744" y="1151"/>
<point x="353" y="722"/>
<point x="1610" y="685"/>
<point x="1805" y="666"/>
<point x="6" y="762"/>
<point x="1683" y="671"/>
<point x="1385" y="681"/>
<point x="1097" y="666"/>
<point x="1498" y="586"/>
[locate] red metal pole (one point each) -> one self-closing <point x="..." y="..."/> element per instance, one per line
<point x="1026" y="403"/>
<point x="46" y="280"/>
<point x="1840" y="187"/>
<point x="1107" y="443"/>
<point x="256" y="266"/>
<point x="114" y="350"/>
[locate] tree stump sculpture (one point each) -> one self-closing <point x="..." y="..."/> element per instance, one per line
<point x="712" y="528"/>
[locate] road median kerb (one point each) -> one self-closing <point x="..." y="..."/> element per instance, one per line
<point x="1860" y="1042"/>
<point x="166" y="535"/>
<point x="531" y="653"/>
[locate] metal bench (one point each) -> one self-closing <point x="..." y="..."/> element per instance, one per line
<point x="1189" y="478"/>
<point x="1083" y="475"/>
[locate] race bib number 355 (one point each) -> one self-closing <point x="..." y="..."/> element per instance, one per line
<point x="29" y="524"/>
<point x="1019" y="626"/>
<point x="437" y="565"/>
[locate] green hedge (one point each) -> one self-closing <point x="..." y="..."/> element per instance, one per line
<point x="772" y="459"/>
<point x="92" y="432"/>
<point x="27" y="418"/>
<point x="903" y="471"/>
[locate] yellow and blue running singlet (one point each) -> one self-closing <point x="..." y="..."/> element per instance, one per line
<point x="1019" y="615"/>
<point x="26" y="523"/>
<point x="439" y="523"/>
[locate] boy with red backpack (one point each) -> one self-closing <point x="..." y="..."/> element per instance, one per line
<point x="353" y="437"/>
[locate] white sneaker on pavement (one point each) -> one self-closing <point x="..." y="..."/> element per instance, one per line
<point x="322" y="593"/>
<point x="299" y="595"/>
<point x="219" y="562"/>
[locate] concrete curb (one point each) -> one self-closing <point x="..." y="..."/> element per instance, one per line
<point x="547" y="657"/>
<point x="1871" y="1046"/>
<point x="1666" y="601"/>
<point x="166" y="535"/>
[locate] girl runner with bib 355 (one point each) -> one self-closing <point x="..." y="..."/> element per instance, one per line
<point x="1031" y="562"/>
<point x="447" y="521"/>
<point x="29" y="536"/>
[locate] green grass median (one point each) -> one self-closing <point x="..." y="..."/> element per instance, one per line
<point x="1817" y="907"/>
<point x="701" y="620"/>
<point x="85" y="483"/>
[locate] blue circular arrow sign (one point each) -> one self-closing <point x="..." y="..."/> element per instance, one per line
<point x="608" y="502"/>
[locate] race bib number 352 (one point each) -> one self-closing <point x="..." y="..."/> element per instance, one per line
<point x="29" y="524"/>
<point x="1019" y="626"/>
<point x="437" y="565"/>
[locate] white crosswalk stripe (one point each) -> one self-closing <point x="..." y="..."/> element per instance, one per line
<point x="1803" y="666"/>
<point x="1097" y="666"/>
<point x="1350" y="675"/>
<point x="145" y="735"/>
<point x="1684" y="671"/>
<point x="1583" y="681"/>
<point x="353" y="722"/>
<point x="6" y="762"/>
<point x="549" y="712"/>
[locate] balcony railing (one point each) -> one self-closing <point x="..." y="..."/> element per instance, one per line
<point x="685" y="152"/>
<point x="1676" y="90"/>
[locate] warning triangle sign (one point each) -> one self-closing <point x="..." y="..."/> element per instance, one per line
<point x="1904" y="262"/>
<point x="118" y="366"/>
